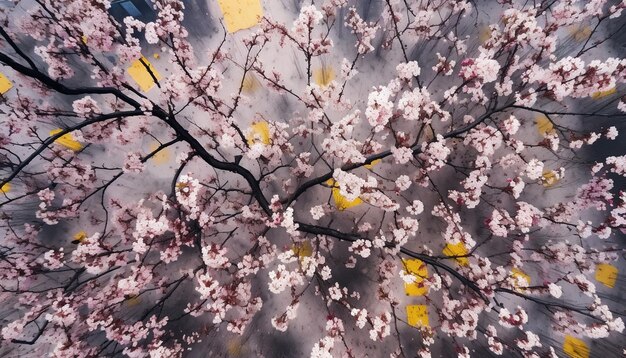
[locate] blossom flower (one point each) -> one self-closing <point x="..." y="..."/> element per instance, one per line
<point x="301" y="31"/>
<point x="508" y="319"/>
<point x="350" y="185"/>
<point x="307" y="183"/>
<point x="361" y="248"/>
<point x="288" y="222"/>
<point x="402" y="155"/>
<point x="215" y="257"/>
<point x="133" y="163"/>
<point x="53" y="259"/>
<point x="527" y="216"/>
<point x="517" y="186"/>
<point x="279" y="279"/>
<point x="618" y="164"/>
<point x="408" y="70"/>
<point x="611" y="133"/>
<point x="86" y="107"/>
<point x="317" y="212"/>
<point x="403" y="182"/>
<point x="534" y="169"/>
<point x="379" y="107"/>
<point x="416" y="208"/>
<point x="531" y="341"/>
<point x="482" y="68"/>
<point x="555" y="290"/>
<point x="444" y="66"/>
<point x="435" y="153"/>
<point x="485" y="139"/>
<point x="418" y="105"/>
<point x="322" y="348"/>
<point x="511" y="125"/>
<point x="381" y="327"/>
<point x="365" y="33"/>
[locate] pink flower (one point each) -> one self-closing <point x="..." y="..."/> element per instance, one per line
<point x="408" y="70"/>
<point x="86" y="107"/>
<point x="379" y="108"/>
<point x="317" y="212"/>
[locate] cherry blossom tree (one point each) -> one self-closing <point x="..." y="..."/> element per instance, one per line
<point x="345" y="178"/>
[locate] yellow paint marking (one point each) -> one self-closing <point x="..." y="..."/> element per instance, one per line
<point x="457" y="250"/>
<point x="138" y="72"/>
<point x="340" y="201"/>
<point x="235" y="347"/>
<point x="485" y="34"/>
<point x="575" y="348"/>
<point x="606" y="274"/>
<point x="67" y="140"/>
<point x="5" y="188"/>
<point x="417" y="315"/>
<point x="519" y="274"/>
<point x="549" y="178"/>
<point x="259" y="133"/>
<point x="323" y="75"/>
<point x="133" y="301"/>
<point x="601" y="94"/>
<point x="162" y="157"/>
<point x="428" y="134"/>
<point x="544" y="125"/>
<point x="302" y="249"/>
<point x="5" y="84"/>
<point x="240" y="14"/>
<point x="250" y="84"/>
<point x="418" y="269"/>
<point x="579" y="32"/>
<point x="373" y="164"/>
<point x="79" y="237"/>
